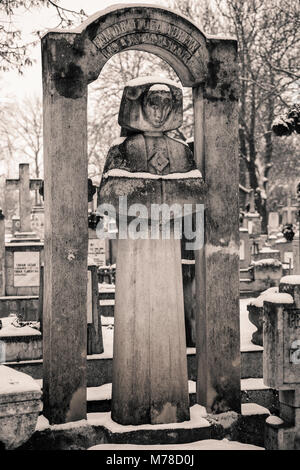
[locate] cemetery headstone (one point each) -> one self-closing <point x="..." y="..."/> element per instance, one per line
<point x="209" y="66"/>
<point x="24" y="184"/>
<point x="281" y="363"/>
<point x="273" y="223"/>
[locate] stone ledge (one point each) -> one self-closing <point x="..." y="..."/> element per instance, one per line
<point x="98" y="428"/>
<point x="20" y="404"/>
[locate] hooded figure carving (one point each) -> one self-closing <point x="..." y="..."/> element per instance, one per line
<point x="147" y="111"/>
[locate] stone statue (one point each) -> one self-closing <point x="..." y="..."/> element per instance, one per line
<point x="150" y="383"/>
<point x="147" y="112"/>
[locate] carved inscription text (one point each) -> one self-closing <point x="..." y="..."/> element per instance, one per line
<point x="135" y="31"/>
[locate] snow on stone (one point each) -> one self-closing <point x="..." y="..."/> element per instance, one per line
<point x="197" y="414"/>
<point x="268" y="249"/>
<point x="104" y="287"/>
<point x="13" y="381"/>
<point x="259" y="301"/>
<point x="274" y="420"/>
<point x="280" y="298"/>
<point x="281" y="240"/>
<point x="254" y="409"/>
<point x="267" y="262"/>
<point x="102" y="392"/>
<point x="206" y="444"/>
<point x="253" y="384"/>
<point x="152" y="79"/>
<point x="107" y="302"/>
<point x="117" y="172"/>
<point x="8" y="329"/>
<point x="105" y="321"/>
<point x="293" y="279"/>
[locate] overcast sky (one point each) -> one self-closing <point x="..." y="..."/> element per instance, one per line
<point x="30" y="83"/>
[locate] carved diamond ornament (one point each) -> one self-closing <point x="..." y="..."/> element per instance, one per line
<point x="159" y="161"/>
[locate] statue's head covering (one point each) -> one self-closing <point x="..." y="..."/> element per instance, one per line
<point x="138" y="92"/>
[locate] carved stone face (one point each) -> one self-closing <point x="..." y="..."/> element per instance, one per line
<point x="157" y="107"/>
<point x="151" y="105"/>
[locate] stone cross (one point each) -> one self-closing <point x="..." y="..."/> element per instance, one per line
<point x="24" y="184"/>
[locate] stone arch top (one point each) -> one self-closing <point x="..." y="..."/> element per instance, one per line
<point x="153" y="29"/>
<point x="149" y="28"/>
<point x="76" y="57"/>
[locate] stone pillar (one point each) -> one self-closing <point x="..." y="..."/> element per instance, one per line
<point x="2" y="254"/>
<point x="66" y="230"/>
<point x="150" y="383"/>
<point x="217" y="263"/>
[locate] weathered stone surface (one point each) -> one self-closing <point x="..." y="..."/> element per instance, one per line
<point x="20" y="404"/>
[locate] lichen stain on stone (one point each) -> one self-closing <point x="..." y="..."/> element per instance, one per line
<point x="213" y="72"/>
<point x="70" y="83"/>
<point x="77" y="408"/>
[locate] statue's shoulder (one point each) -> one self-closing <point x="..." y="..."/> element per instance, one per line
<point x="179" y="142"/>
<point x="128" y="140"/>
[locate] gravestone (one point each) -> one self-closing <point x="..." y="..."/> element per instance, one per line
<point x="245" y="248"/>
<point x="273" y="223"/>
<point x="296" y="254"/>
<point x="281" y="363"/>
<point x="24" y="184"/>
<point x="71" y="60"/>
<point x="289" y="213"/>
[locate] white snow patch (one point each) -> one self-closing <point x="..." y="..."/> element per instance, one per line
<point x="293" y="279"/>
<point x="116" y="172"/>
<point x="206" y="444"/>
<point x="281" y="240"/>
<point x="197" y="413"/>
<point x="274" y="420"/>
<point x="9" y="330"/>
<point x="254" y="409"/>
<point x="102" y="392"/>
<point x="267" y="262"/>
<point x="259" y="301"/>
<point x="107" y="302"/>
<point x="187" y="261"/>
<point x="105" y="321"/>
<point x="152" y="79"/>
<point x="13" y="381"/>
<point x="191" y="351"/>
<point x="268" y="249"/>
<point x="280" y="298"/>
<point x="253" y="384"/>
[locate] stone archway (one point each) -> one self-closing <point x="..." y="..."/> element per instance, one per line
<point x="71" y="60"/>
